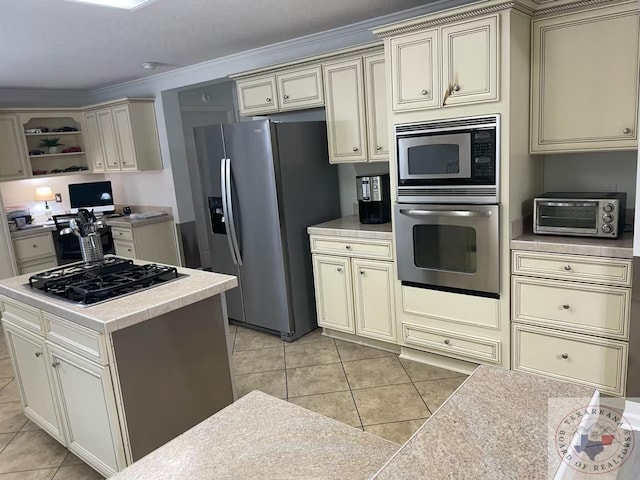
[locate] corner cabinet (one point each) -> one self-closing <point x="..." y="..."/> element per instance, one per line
<point x="585" y="77"/>
<point x="13" y="152"/>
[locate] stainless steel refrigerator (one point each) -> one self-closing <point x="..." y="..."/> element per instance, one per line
<point x="263" y="184"/>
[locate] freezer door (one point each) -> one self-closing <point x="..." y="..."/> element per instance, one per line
<point x="211" y="154"/>
<point x="257" y="226"/>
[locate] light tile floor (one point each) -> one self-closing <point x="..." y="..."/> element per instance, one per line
<point x="27" y="452"/>
<point x="364" y="387"/>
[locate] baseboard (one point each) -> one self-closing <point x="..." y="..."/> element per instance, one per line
<point x="367" y="342"/>
<point x="438" y="360"/>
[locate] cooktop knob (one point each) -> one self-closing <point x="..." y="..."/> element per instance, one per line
<point x="606" y="218"/>
<point x="607" y="229"/>
<point x="608" y="207"/>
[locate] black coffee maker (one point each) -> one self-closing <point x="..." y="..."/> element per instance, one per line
<point x="374" y="198"/>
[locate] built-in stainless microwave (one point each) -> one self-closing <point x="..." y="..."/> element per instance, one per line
<point x="449" y="161"/>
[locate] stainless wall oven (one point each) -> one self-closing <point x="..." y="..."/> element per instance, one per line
<point x="449" y="247"/>
<point x="449" y="161"/>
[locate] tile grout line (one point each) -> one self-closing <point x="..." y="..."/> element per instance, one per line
<point x="355" y="404"/>
<point x="415" y="388"/>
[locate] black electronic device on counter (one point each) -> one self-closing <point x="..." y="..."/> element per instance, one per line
<point x="374" y="198"/>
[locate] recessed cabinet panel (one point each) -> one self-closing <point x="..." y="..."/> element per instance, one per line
<point x="257" y="96"/>
<point x="124" y="131"/>
<point x="585" y="81"/>
<point x="469" y="61"/>
<point x="92" y="141"/>
<point x="108" y="139"/>
<point x="301" y="89"/>
<point x="332" y="277"/>
<point x="345" y="111"/>
<point x="376" y="91"/>
<point x="374" y="299"/>
<point x="12" y="150"/>
<point x="414" y="71"/>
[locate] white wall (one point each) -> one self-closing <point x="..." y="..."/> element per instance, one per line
<point x="583" y="172"/>
<point x="347" y="174"/>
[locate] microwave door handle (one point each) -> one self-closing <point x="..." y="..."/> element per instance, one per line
<point x="447" y="213"/>
<point x="568" y="204"/>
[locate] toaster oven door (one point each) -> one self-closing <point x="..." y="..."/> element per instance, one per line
<point x="569" y="217"/>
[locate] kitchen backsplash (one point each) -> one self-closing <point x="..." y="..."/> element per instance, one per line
<point x="347" y="174"/>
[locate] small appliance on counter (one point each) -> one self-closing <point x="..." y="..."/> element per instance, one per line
<point x="18" y="217"/>
<point x="374" y="198"/>
<point x="583" y="214"/>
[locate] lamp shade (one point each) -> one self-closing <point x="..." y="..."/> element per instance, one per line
<point x="44" y="194"/>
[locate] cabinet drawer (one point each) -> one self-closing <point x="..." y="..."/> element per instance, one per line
<point x="76" y="338"/>
<point x="607" y="271"/>
<point x="572" y="306"/>
<point x="483" y="349"/>
<point x="125" y="249"/>
<point x="122" y="233"/>
<point x="378" y="249"/>
<point x="37" y="246"/>
<point x="568" y="356"/>
<point x="22" y="315"/>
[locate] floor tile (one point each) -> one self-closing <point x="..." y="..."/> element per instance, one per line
<point x="6" y="370"/>
<point x="316" y="379"/>
<point x="5" y="438"/>
<point x="393" y="403"/>
<point x="233" y="328"/>
<point x="11" y="417"/>
<point x="273" y="383"/>
<point x="31" y="450"/>
<point x="338" y="405"/>
<point x="77" y="472"/>
<point x="10" y="392"/>
<point x="254" y="361"/>
<point x="396" y="432"/>
<point x="420" y="372"/>
<point x="43" y="474"/>
<point x="4" y="352"/>
<point x="72" y="460"/>
<point x="251" y="340"/>
<point x="375" y="372"/>
<point x="435" y="392"/>
<point x="352" y="351"/>
<point x="4" y="382"/>
<point x="308" y="354"/>
<point x="30" y="427"/>
<point x="311" y="337"/>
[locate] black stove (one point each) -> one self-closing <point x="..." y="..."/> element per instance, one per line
<point x="90" y="283"/>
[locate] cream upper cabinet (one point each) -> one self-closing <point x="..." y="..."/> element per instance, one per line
<point x="300" y="88"/>
<point x="257" y="96"/>
<point x="376" y="92"/>
<point x="13" y="152"/>
<point x="584" y="89"/>
<point x="470" y="61"/>
<point x="124" y="132"/>
<point x="414" y="71"/>
<point x="332" y="278"/>
<point x="374" y="299"/>
<point x="92" y="142"/>
<point x="108" y="139"/>
<point x="345" y="105"/>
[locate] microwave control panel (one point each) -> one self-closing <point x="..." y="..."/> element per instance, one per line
<point x="483" y="148"/>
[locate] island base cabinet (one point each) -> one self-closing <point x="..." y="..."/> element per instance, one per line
<point x="32" y="377"/>
<point x="86" y="396"/>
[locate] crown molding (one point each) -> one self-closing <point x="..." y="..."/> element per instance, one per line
<point x="561" y="7"/>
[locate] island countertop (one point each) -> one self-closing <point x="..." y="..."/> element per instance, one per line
<point x="128" y="310"/>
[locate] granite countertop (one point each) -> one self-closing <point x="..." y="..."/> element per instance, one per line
<point x="495" y="426"/>
<point x="128" y="222"/>
<point x="129" y="310"/>
<point x="621" y="247"/>
<point x="260" y="436"/>
<point x="351" y="227"/>
<point x="27" y="232"/>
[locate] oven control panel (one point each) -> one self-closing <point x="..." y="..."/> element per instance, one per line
<point x="483" y="149"/>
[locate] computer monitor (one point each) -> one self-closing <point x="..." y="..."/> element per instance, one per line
<point x="96" y="196"/>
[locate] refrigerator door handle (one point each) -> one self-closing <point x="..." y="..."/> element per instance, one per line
<point x="225" y="207"/>
<point x="230" y="218"/>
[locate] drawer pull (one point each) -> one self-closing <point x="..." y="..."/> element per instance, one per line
<point x="348" y="247"/>
<point x="35" y="246"/>
<point x="566" y="306"/>
<point x="362" y="272"/>
<point x="447" y="341"/>
<point x="564" y="356"/>
<point x="339" y="269"/>
<point x="567" y="268"/>
<point x="38" y="354"/>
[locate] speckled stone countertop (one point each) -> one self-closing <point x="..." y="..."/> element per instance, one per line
<point x="621" y="247"/>
<point x="351" y="227"/>
<point x="260" y="436"/>
<point x="128" y="222"/>
<point x="33" y="231"/>
<point x="129" y="310"/>
<point x="494" y="427"/>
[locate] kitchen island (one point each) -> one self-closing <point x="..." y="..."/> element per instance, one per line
<point x="115" y="380"/>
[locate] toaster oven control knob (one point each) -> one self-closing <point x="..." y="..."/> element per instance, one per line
<point x="608" y="207"/>
<point x="606" y="218"/>
<point x="607" y="229"/>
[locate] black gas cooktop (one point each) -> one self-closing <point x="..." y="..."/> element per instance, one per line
<point x="90" y="283"/>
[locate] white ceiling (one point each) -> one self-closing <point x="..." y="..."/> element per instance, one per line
<point x="55" y="44"/>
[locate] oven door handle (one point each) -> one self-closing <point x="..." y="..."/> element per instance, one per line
<point x="568" y="204"/>
<point x="447" y="213"/>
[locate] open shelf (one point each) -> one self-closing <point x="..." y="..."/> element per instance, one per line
<point x="45" y="155"/>
<point x="63" y="174"/>
<point x="51" y="134"/>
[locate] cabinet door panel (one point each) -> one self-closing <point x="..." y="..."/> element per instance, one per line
<point x="469" y="61"/>
<point x="374" y="299"/>
<point x="108" y="139"/>
<point x="257" y="96"/>
<point x="414" y="71"/>
<point x="33" y="381"/>
<point x="376" y="91"/>
<point x="301" y="89"/>
<point x="345" y="111"/>
<point x="585" y="81"/>
<point x="124" y="132"/>
<point x="91" y="132"/>
<point x="332" y="277"/>
<point x="12" y="150"/>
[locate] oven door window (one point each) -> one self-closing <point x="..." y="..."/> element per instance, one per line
<point x="451" y="248"/>
<point x="436" y="157"/>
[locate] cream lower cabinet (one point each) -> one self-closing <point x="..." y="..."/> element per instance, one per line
<point x="35" y="253"/>
<point x="353" y="294"/>
<point x="155" y="242"/>
<point x="570" y="317"/>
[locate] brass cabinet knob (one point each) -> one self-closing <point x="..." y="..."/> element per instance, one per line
<point x="55" y="364"/>
<point x="378" y="148"/>
<point x="566" y="306"/>
<point x="626" y="131"/>
<point x="425" y="92"/>
<point x="38" y="354"/>
<point x="447" y="341"/>
<point x="268" y="99"/>
<point x="348" y="247"/>
<point x="567" y="268"/>
<point x="564" y="356"/>
<point x="362" y="272"/>
<point x="355" y="149"/>
<point x="456" y="88"/>
<point x="339" y="269"/>
<point x="286" y="97"/>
